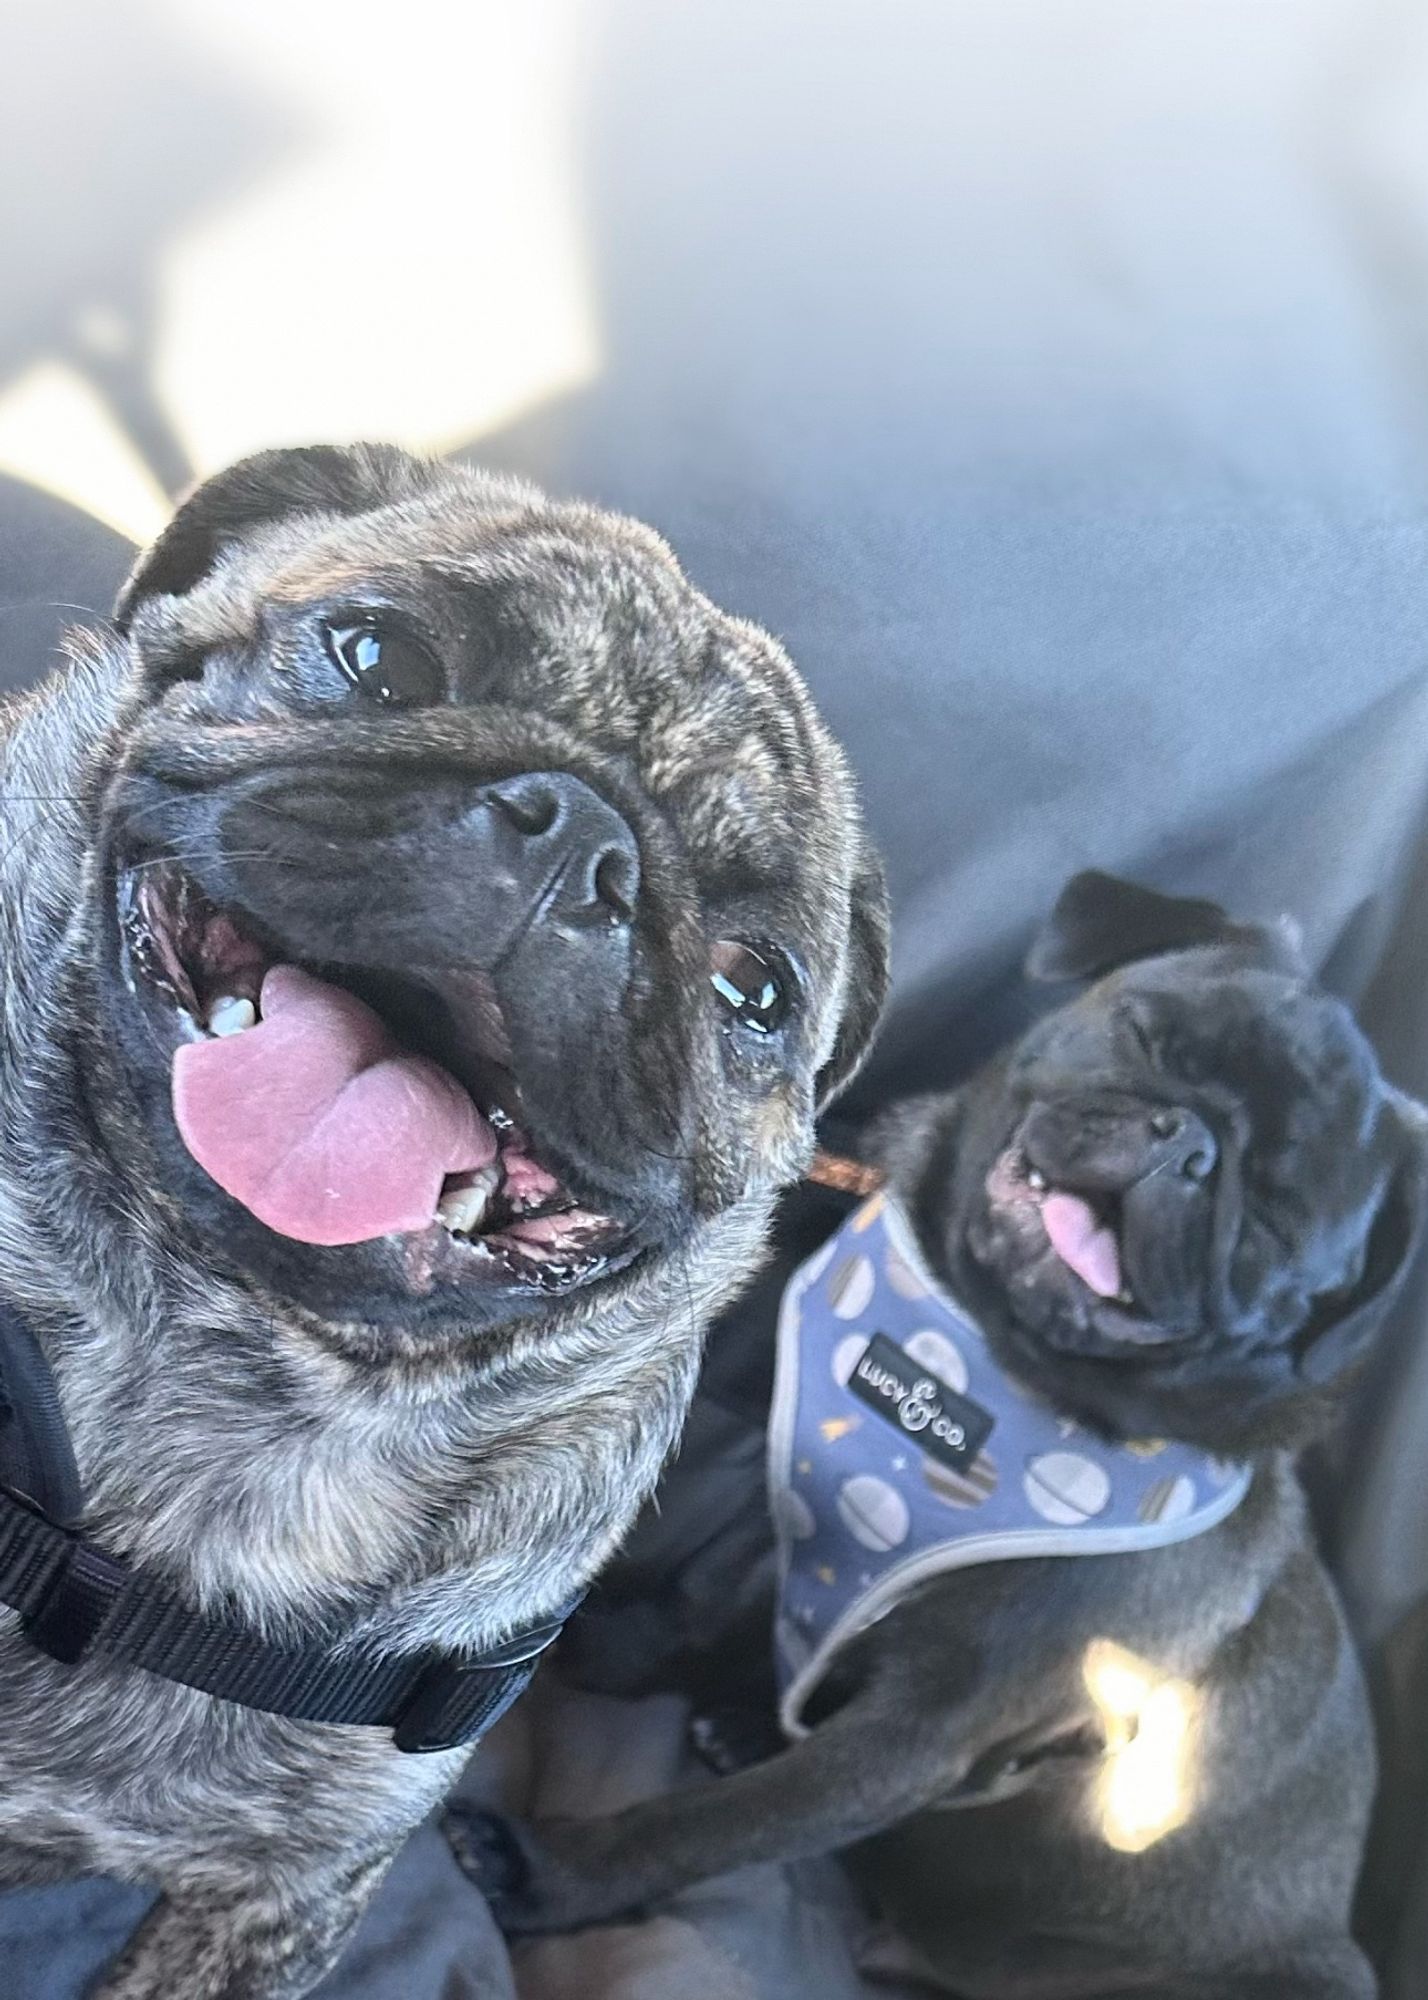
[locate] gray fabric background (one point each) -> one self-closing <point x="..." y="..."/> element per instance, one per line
<point x="1054" y="379"/>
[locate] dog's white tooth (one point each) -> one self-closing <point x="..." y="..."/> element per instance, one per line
<point x="230" y="1015"/>
<point x="1036" y="1180"/>
<point x="461" y="1210"/>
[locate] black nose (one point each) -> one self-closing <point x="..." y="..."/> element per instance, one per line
<point x="1106" y="1142"/>
<point x="566" y="848"/>
<point x="402" y="868"/>
<point x="1181" y="1142"/>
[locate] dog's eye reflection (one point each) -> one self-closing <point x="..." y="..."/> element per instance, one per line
<point x="752" y="982"/>
<point x="385" y="666"/>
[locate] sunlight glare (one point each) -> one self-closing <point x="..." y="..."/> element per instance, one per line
<point x="1146" y="1787"/>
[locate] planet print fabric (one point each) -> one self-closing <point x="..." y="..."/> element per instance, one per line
<point x="900" y="1449"/>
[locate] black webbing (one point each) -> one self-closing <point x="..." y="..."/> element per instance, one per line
<point x="77" y="1602"/>
<point x="36" y="1457"/>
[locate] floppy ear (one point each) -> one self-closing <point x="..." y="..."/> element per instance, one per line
<point x="310" y="479"/>
<point x="1101" y="922"/>
<point x="1338" y="1336"/>
<point x="866" y="985"/>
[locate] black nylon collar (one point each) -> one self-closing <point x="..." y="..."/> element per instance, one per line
<point x="36" y="1458"/>
<point x="77" y="1602"/>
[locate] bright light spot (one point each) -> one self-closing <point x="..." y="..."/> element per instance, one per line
<point x="1146" y="1786"/>
<point x="413" y="268"/>
<point x="59" y="434"/>
<point x="1117" y="1681"/>
<point x="410" y="261"/>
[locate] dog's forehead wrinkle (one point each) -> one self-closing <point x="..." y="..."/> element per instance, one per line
<point x="1295" y="1052"/>
<point x="514" y="539"/>
<point x="571" y="555"/>
<point x="730" y="738"/>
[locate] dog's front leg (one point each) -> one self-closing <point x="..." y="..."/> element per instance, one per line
<point x="849" y="1779"/>
<point x="250" y="1943"/>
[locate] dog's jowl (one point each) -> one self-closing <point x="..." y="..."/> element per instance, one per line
<point x="428" y="927"/>
<point x="1059" y="1658"/>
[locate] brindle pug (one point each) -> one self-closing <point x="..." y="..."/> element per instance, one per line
<point x="428" y="926"/>
<point x="1177" y="1209"/>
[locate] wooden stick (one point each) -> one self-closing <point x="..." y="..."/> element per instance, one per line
<point x="836" y="1170"/>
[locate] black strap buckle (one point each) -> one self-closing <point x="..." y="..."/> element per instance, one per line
<point x="456" y="1700"/>
<point x="80" y="1597"/>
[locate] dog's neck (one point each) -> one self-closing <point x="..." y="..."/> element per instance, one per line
<point x="265" y="1474"/>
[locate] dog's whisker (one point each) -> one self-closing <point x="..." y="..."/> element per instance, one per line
<point x="194" y="856"/>
<point x="93" y="611"/>
<point x="39" y="824"/>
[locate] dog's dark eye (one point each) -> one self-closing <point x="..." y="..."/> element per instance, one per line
<point x="1137" y="1030"/>
<point x="387" y="666"/>
<point x="754" y="982"/>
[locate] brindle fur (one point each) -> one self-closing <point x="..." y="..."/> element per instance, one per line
<point x="405" y="1486"/>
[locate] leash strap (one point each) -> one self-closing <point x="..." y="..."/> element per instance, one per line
<point x="844" y="1175"/>
<point x="77" y="1602"/>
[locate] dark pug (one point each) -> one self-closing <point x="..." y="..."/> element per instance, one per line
<point x="1177" y="1210"/>
<point x="428" y="926"/>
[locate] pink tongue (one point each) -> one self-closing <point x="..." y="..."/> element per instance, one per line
<point x="319" y="1123"/>
<point x="1081" y="1243"/>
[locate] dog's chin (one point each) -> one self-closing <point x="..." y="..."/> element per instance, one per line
<point x="1048" y="1306"/>
<point x="521" y="1232"/>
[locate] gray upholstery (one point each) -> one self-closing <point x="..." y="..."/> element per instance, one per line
<point x="1053" y="380"/>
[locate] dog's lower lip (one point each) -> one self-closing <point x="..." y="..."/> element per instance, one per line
<point x="1089" y="1252"/>
<point x="208" y="966"/>
<point x="1131" y="1328"/>
<point x="1112" y="1323"/>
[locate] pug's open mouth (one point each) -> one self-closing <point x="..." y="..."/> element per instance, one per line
<point x="1051" y="1233"/>
<point x="339" y="1105"/>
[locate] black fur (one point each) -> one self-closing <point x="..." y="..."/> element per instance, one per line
<point x="967" y="1753"/>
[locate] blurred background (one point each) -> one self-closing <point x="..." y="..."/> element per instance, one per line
<point x="1052" y="375"/>
<point x="1043" y="344"/>
<point x="228" y="226"/>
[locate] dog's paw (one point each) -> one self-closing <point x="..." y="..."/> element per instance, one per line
<point x="730" y="1739"/>
<point x="528" y="1890"/>
<point x="487" y="1851"/>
